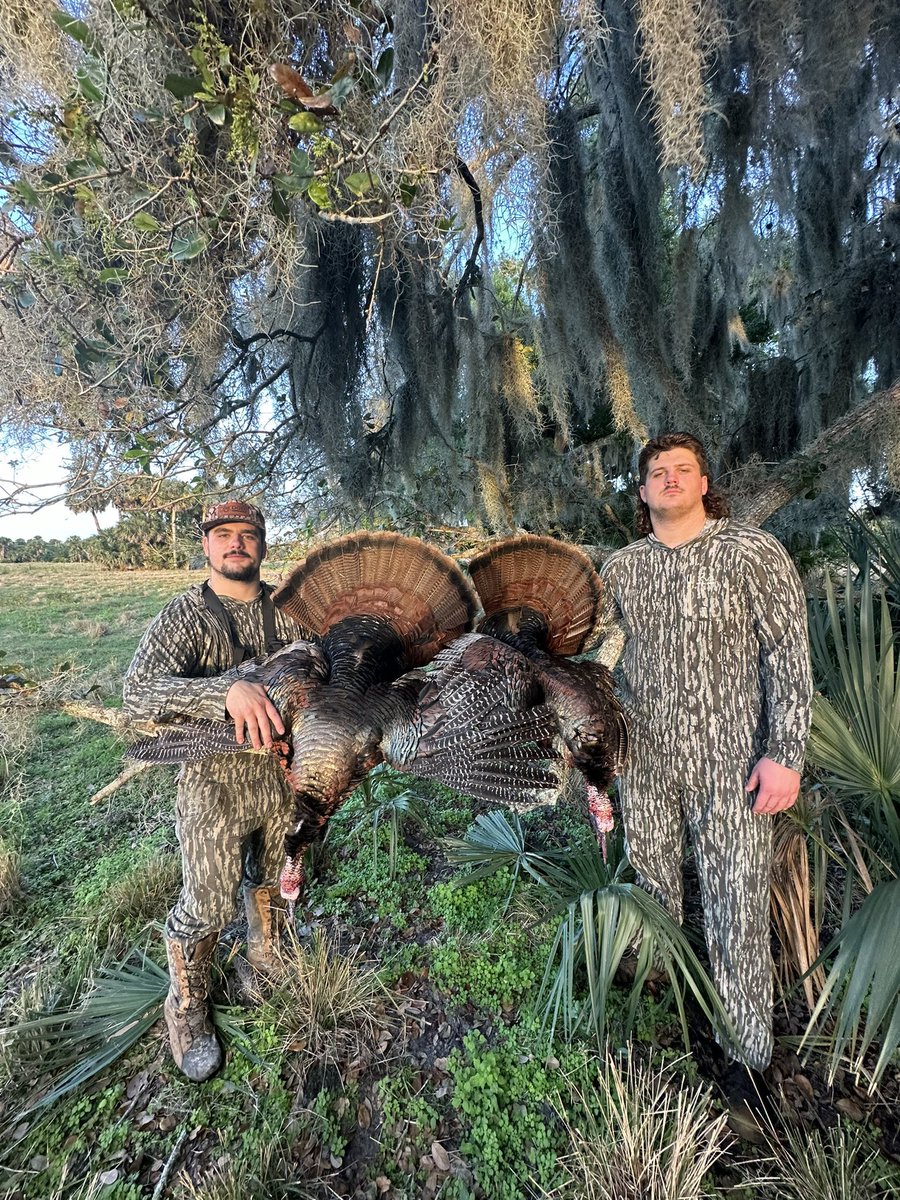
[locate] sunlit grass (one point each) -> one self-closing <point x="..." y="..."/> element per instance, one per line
<point x="640" y="1135"/>
<point x="327" y="1005"/>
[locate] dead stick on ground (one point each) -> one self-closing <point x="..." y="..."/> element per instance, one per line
<point x="130" y="771"/>
<point x="170" y="1163"/>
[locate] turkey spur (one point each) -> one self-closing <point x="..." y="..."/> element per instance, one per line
<point x="376" y="609"/>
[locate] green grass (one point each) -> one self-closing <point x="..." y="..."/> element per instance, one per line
<point x="60" y="615"/>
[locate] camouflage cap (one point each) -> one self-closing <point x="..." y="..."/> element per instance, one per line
<point x="232" y="510"/>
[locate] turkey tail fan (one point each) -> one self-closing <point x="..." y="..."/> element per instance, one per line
<point x="418" y="590"/>
<point x="187" y="743"/>
<point x="554" y="579"/>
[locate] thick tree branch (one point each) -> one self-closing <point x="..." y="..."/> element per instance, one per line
<point x="792" y="478"/>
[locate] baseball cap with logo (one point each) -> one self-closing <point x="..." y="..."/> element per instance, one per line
<point x="232" y="510"/>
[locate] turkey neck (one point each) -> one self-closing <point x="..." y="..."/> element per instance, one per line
<point x="525" y="629"/>
<point x="362" y="651"/>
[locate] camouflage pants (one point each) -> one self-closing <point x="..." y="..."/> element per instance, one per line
<point x="231" y="817"/>
<point x="733" y="850"/>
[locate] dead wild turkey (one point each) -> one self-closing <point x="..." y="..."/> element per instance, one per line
<point x="543" y="598"/>
<point x="483" y="719"/>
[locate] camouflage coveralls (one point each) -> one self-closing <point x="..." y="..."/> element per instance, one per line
<point x="231" y="810"/>
<point x="715" y="675"/>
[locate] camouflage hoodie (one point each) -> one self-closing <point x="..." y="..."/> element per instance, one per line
<point x="716" y="655"/>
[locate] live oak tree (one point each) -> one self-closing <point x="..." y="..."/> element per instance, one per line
<point x="434" y="260"/>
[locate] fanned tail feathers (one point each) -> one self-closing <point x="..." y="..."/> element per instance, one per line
<point x="555" y="579"/>
<point x="418" y="590"/>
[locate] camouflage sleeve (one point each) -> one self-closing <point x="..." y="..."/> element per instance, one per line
<point x="610" y="629"/>
<point x="174" y="669"/>
<point x="779" y="610"/>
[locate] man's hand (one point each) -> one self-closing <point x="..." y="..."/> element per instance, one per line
<point x="778" y="786"/>
<point x="251" y="709"/>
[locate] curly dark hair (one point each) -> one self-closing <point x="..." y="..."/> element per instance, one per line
<point x="715" y="502"/>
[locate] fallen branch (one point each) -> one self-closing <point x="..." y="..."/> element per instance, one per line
<point x="133" y="769"/>
<point x="163" y="1180"/>
<point x="84" y="710"/>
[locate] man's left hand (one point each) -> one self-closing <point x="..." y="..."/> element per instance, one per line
<point x="776" y="787"/>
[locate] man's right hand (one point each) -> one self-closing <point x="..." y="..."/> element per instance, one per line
<point x="252" y="710"/>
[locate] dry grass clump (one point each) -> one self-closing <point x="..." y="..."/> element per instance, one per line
<point x="143" y="894"/>
<point x="10" y="876"/>
<point x="21" y="1046"/>
<point x="92" y="629"/>
<point x="833" y="1165"/>
<point x="792" y="906"/>
<point x="327" y="1004"/>
<point x="17" y="735"/>
<point x="269" y="1176"/>
<point x="640" y="1136"/>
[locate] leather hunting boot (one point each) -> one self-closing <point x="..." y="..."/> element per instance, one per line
<point x="260" y="926"/>
<point x="195" y="1048"/>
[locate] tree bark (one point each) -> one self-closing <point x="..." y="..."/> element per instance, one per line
<point x="792" y="478"/>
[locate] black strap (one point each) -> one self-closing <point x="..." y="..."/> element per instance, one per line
<point x="238" y="652"/>
<point x="273" y="643"/>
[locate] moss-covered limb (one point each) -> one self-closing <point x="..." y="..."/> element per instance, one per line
<point x="875" y="419"/>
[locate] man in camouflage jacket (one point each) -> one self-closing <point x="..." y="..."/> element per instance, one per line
<point x="231" y="810"/>
<point x="716" y="688"/>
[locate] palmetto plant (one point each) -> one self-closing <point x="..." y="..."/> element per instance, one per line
<point x="603" y="919"/>
<point x="387" y="798"/>
<point x="855" y="741"/>
<point x="606" y="920"/>
<point x="73" y="1043"/>
<point x="68" y="1044"/>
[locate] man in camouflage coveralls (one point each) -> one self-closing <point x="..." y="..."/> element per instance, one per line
<point x="716" y="688"/>
<point x="232" y="810"/>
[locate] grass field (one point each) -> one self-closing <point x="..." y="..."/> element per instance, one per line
<point x="401" y="1054"/>
<point x="60" y="615"/>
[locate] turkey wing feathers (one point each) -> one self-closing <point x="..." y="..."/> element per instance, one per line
<point x="191" y="742"/>
<point x="289" y="676"/>
<point x="476" y="724"/>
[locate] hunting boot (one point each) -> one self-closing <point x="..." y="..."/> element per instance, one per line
<point x="260" y="926"/>
<point x="195" y="1047"/>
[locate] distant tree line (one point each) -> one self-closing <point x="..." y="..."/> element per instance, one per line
<point x="35" y="549"/>
<point x="140" y="539"/>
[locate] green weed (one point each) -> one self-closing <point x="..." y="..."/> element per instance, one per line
<point x="511" y="1134"/>
<point x="500" y="970"/>
<point x="404" y="1107"/>
<point x="360" y="880"/>
<point x="334" y="1115"/>
<point x="472" y="907"/>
